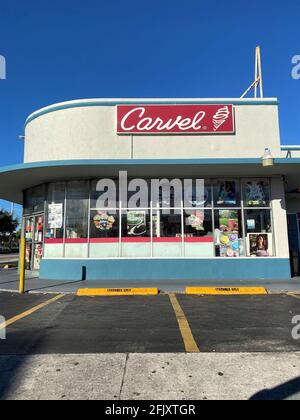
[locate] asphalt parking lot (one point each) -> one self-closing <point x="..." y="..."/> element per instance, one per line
<point x="147" y="324"/>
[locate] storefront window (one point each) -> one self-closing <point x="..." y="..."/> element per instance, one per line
<point x="229" y="233"/>
<point x="192" y="228"/>
<point x="136" y="224"/>
<point x="34" y="200"/>
<point x="104" y="224"/>
<point x="258" y="221"/>
<point x="55" y="211"/>
<point x="259" y="233"/>
<point x="77" y="209"/>
<point x="198" y="193"/>
<point x="167" y="225"/>
<point x="104" y="194"/>
<point x="227" y="193"/>
<point x="198" y="224"/>
<point x="256" y="193"/>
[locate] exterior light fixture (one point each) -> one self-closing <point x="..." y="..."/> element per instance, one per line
<point x="267" y="159"/>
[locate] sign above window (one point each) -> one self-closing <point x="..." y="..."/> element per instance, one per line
<point x="175" y="119"/>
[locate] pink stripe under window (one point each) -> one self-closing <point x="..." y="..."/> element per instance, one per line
<point x="54" y="241"/>
<point x="77" y="241"/>
<point x="174" y="240"/>
<point x="136" y="240"/>
<point x="129" y="240"/>
<point x="205" y="239"/>
<point x="104" y="240"/>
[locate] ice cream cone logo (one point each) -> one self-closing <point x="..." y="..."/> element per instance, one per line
<point x="220" y="117"/>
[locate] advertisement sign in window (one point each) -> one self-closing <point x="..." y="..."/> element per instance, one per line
<point x="136" y="223"/>
<point x="55" y="216"/>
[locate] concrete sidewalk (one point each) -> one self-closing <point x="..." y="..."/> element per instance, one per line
<point x="151" y="377"/>
<point x="9" y="281"/>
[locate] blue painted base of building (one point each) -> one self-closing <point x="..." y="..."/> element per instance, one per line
<point x="166" y="269"/>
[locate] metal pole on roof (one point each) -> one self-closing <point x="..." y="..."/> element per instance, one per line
<point x="259" y="70"/>
<point x="258" y="78"/>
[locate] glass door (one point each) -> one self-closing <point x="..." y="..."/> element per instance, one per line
<point x="34" y="235"/>
<point x="29" y="226"/>
<point x="294" y="243"/>
<point x="38" y="241"/>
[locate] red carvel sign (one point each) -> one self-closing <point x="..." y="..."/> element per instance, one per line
<point x="176" y="119"/>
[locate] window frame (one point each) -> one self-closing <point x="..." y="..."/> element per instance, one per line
<point x="210" y="183"/>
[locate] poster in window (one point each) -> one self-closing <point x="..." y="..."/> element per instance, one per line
<point x="136" y="223"/>
<point x="227" y="194"/>
<point x="229" y="233"/>
<point x="28" y="255"/>
<point x="103" y="221"/>
<point x="55" y="216"/>
<point x="259" y="245"/>
<point x="38" y="255"/>
<point x="251" y="224"/>
<point x="255" y="194"/>
<point x="39" y="229"/>
<point x="197" y="196"/>
<point x="28" y="228"/>
<point x="229" y="221"/>
<point x="196" y="220"/>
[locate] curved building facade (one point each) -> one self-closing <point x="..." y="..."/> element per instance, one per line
<point x="155" y="189"/>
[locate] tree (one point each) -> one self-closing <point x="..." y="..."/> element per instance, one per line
<point x="8" y="224"/>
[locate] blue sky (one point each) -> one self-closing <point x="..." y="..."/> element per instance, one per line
<point x="68" y="49"/>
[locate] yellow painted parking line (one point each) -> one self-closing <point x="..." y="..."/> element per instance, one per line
<point x="186" y="333"/>
<point x="117" y="292"/>
<point x="226" y="291"/>
<point x="29" y="312"/>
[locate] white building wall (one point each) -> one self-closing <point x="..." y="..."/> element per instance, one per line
<point x="89" y="132"/>
<point x="279" y="218"/>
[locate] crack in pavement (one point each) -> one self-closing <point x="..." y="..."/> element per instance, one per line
<point x="124" y="374"/>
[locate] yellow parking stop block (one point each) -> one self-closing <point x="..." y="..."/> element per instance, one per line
<point x="117" y="292"/>
<point x="226" y="291"/>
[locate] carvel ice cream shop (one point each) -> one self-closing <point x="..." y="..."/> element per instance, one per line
<point x="158" y="189"/>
